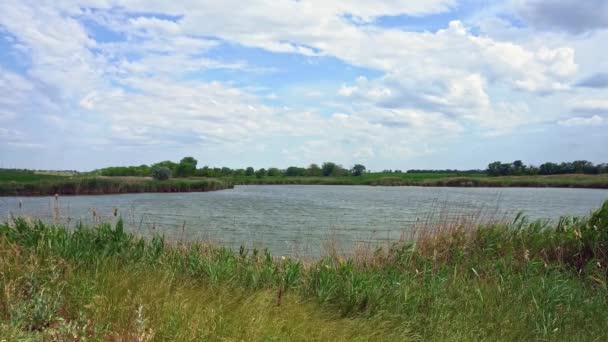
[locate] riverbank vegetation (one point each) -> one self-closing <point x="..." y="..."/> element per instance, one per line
<point x="517" y="280"/>
<point x="169" y="176"/>
<point x="44" y="186"/>
<point x="518" y="168"/>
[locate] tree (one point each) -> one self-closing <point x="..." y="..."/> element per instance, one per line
<point x="186" y="167"/>
<point x="161" y="173"/>
<point x="274" y="172"/>
<point x="295" y="171"/>
<point x="328" y="168"/>
<point x="357" y="170"/>
<point x="314" y="171"/>
<point x="168" y="164"/>
<point x="249" y="171"/>
<point x="518" y="167"/>
<point x="494" y="169"/>
<point x="261" y="173"/>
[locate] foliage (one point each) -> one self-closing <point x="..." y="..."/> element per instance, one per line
<point x="186" y="167"/>
<point x="518" y="168"/>
<point x="261" y="173"/>
<point x="134" y="171"/>
<point x="274" y="172"/>
<point x="523" y="280"/>
<point x="161" y="173"/>
<point x="294" y="171"/>
<point x="314" y="171"/>
<point x="357" y="170"/>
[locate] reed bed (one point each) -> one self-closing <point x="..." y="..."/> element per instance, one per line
<point x="501" y="280"/>
<point x="107" y="185"/>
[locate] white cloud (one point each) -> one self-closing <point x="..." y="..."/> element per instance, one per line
<point x="140" y="89"/>
<point x="594" y="120"/>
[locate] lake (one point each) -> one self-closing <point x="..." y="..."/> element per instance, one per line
<point x="299" y="219"/>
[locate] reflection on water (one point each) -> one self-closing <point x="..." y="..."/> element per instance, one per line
<point x="296" y="219"/>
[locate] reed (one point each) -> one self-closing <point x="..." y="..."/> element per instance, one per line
<point x="501" y="280"/>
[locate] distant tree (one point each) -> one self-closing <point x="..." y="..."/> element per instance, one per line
<point x="249" y="171"/>
<point x="314" y="170"/>
<point x="274" y="172"/>
<point x="168" y="164"/>
<point x="328" y="168"/>
<point x="518" y="167"/>
<point x="161" y="173"/>
<point x="261" y="173"/>
<point x="293" y="171"/>
<point x="226" y="171"/>
<point x="186" y="167"/>
<point x="493" y="169"/>
<point x="548" y="169"/>
<point x="239" y="172"/>
<point x="357" y="170"/>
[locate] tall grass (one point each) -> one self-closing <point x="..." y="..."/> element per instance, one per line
<point x="520" y="280"/>
<point x="102" y="185"/>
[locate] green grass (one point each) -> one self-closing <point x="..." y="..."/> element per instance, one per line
<point x="518" y="281"/>
<point x="106" y="185"/>
<point x="439" y="179"/>
<point x="22" y="176"/>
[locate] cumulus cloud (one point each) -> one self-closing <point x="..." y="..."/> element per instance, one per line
<point x="573" y="16"/>
<point x="140" y="83"/>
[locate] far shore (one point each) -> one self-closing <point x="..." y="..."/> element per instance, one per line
<point x="99" y="185"/>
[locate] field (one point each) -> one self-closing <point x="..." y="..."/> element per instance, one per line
<point x="440" y="179"/>
<point x="519" y="280"/>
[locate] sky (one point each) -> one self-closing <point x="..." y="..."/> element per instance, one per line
<point x="390" y="84"/>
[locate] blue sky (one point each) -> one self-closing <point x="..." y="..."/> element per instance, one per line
<point x="390" y="84"/>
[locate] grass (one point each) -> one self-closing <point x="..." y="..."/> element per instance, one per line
<point x="22" y="176"/>
<point x="105" y="185"/>
<point x="504" y="281"/>
<point x="439" y="179"/>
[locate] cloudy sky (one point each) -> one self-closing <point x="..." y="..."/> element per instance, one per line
<point x="390" y="83"/>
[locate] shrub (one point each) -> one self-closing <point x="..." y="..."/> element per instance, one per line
<point x="161" y="173"/>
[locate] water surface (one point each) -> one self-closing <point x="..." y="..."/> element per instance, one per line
<point x="297" y="219"/>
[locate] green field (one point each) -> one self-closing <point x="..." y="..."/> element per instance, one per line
<point x="22" y="176"/>
<point x="519" y="281"/>
<point x="439" y="179"/>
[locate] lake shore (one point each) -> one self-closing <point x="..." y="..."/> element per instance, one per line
<point x="458" y="282"/>
<point x="49" y="186"/>
<point x="108" y="185"/>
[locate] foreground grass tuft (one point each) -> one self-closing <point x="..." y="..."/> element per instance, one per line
<point x="518" y="281"/>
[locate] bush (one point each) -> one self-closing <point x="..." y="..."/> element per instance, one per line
<point x="161" y="173"/>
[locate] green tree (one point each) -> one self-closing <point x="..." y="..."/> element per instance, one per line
<point x="295" y="171"/>
<point x="186" y="167"/>
<point x="168" y="164"/>
<point x="314" y="171"/>
<point x="494" y="168"/>
<point x="249" y="171"/>
<point x="274" y="172"/>
<point x="328" y="168"/>
<point x="161" y="173"/>
<point x="357" y="170"/>
<point x="261" y="173"/>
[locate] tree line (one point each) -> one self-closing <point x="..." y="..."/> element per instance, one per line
<point x="187" y="167"/>
<point x="518" y="168"/>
